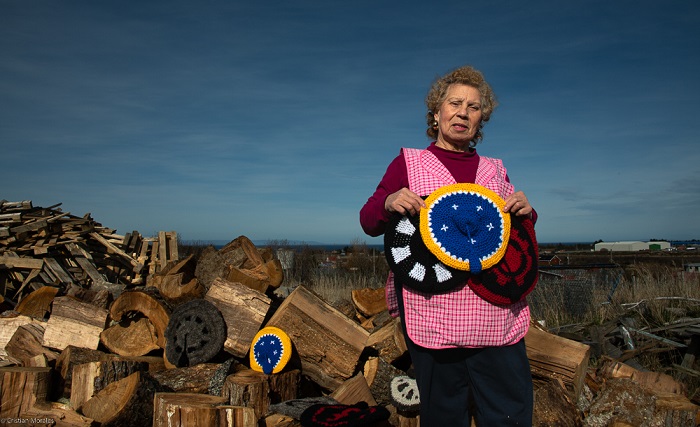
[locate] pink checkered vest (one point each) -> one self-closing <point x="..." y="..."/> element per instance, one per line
<point x="458" y="318"/>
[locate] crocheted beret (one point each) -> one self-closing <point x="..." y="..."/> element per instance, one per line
<point x="412" y="263"/>
<point x="357" y="415"/>
<point x="516" y="274"/>
<point x="465" y="227"/>
<point x="270" y="351"/>
<point x="404" y="393"/>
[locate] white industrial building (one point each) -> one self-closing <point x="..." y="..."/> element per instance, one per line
<point x="632" y="246"/>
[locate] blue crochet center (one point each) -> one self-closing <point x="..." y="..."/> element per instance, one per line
<point x="268" y="352"/>
<point x="467" y="226"/>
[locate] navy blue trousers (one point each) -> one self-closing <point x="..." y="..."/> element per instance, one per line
<point x="492" y="384"/>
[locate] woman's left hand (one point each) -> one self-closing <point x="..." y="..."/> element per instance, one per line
<point x="518" y="204"/>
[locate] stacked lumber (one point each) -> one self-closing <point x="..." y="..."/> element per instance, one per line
<point x="168" y="343"/>
<point x="48" y="247"/>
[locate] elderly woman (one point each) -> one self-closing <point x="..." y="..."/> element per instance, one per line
<point x="468" y="354"/>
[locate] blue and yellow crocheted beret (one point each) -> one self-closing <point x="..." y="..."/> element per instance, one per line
<point x="465" y="227"/>
<point x="270" y="351"/>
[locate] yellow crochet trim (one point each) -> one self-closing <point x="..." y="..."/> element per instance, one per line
<point x="286" y="348"/>
<point x="433" y="245"/>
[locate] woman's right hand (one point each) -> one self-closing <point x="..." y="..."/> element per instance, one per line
<point x="404" y="201"/>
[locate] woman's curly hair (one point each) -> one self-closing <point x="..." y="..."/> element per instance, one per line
<point x="465" y="75"/>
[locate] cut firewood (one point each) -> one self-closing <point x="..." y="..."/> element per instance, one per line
<point x="353" y="391"/>
<point x="9" y="325"/>
<point x="258" y="391"/>
<point x="244" y="311"/>
<point x="205" y="378"/>
<point x="127" y="402"/>
<point x="38" y="303"/>
<point x="195" y="334"/>
<point x="150" y="304"/>
<point x="74" y="322"/>
<point x="56" y="414"/>
<point x="652" y="381"/>
<point x="274" y="272"/>
<point x="69" y="358"/>
<point x="199" y="410"/>
<point x="129" y="337"/>
<point x="21" y="388"/>
<point x="328" y="343"/>
<point x="253" y="279"/>
<point x="369" y="301"/>
<point x="378" y="374"/>
<point x="388" y="341"/>
<point x="26" y="343"/>
<point x="89" y="378"/>
<point x="555" y="357"/>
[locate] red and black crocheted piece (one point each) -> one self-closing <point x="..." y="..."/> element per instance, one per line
<point x="359" y="414"/>
<point x="516" y="274"/>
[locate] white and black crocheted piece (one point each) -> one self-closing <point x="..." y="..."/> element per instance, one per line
<point x="412" y="263"/>
<point x="404" y="393"/>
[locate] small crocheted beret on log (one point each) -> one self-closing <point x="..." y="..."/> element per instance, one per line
<point x="270" y="351"/>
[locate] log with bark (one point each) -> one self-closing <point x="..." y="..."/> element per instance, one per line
<point x="199" y="410"/>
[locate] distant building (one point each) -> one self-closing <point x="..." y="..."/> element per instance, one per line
<point x="692" y="267"/>
<point x="633" y="246"/>
<point x="549" y="259"/>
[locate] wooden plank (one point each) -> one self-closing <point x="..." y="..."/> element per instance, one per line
<point x="162" y="250"/>
<point x="58" y="271"/>
<point x="21" y="262"/>
<point x="112" y="248"/>
<point x="172" y="246"/>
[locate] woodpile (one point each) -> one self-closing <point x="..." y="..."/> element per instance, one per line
<point x="100" y="329"/>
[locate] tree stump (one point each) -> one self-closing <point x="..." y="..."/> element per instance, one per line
<point x="73" y="322"/>
<point x="328" y="343"/>
<point x="21" y="388"/>
<point x="195" y="334"/>
<point x="244" y="311"/>
<point x="199" y="410"/>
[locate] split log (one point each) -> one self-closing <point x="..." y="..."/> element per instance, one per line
<point x="369" y="302"/>
<point x="555" y="357"/>
<point x="328" y="343"/>
<point x="389" y="341"/>
<point x="353" y="391"/>
<point x="21" y="388"/>
<point x="37" y="304"/>
<point x="256" y="390"/>
<point x="250" y="278"/>
<point x="244" y="311"/>
<point x="378" y="373"/>
<point x="199" y="410"/>
<point x="73" y="322"/>
<point x="150" y="304"/>
<point x="278" y="420"/>
<point x="195" y="334"/>
<point x="129" y="337"/>
<point x="56" y="414"/>
<point x="178" y="283"/>
<point x="26" y="343"/>
<point x="652" y="381"/>
<point x="127" y="402"/>
<point x="90" y="378"/>
<point x="9" y="325"/>
<point x="69" y="358"/>
<point x="207" y="378"/>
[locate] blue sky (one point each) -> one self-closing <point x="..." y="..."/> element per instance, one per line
<point x="277" y="119"/>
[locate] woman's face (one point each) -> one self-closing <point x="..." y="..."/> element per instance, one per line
<point x="459" y="117"/>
